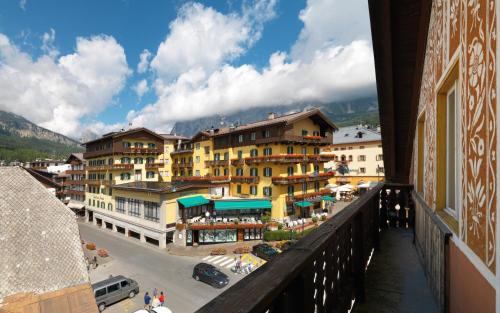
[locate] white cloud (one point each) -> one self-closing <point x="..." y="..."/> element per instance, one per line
<point x="331" y="22"/>
<point x="331" y="60"/>
<point x="57" y="93"/>
<point x="48" y="43"/>
<point x="22" y="5"/>
<point x="141" y="88"/>
<point x="336" y="73"/>
<point x="144" y="61"/>
<point x="201" y="37"/>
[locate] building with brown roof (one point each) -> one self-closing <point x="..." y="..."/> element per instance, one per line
<point x="42" y="264"/>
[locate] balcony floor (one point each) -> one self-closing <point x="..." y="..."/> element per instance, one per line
<point x="396" y="282"/>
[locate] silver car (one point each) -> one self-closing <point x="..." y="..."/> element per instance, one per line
<point x="114" y="289"/>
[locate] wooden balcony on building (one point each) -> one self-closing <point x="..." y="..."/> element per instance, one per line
<point x="100" y="182"/>
<point x="146" y="150"/>
<point x="278" y="180"/>
<point x="154" y="165"/>
<point x="104" y="168"/>
<point x="286" y="158"/>
<point x="217" y="163"/>
<point x="245" y="179"/>
<point x="75" y="172"/>
<point x="181" y="152"/>
<point x="74" y="192"/>
<point x="238" y="162"/>
<point x="207" y="179"/>
<point x="309" y="140"/>
<point x="98" y="153"/>
<point x="308" y="196"/>
<point x="338" y="265"/>
<point x="182" y="165"/>
<point x="70" y="182"/>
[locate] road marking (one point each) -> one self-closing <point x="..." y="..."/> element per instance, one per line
<point x="220" y="260"/>
<point x="230" y="261"/>
<point x="207" y="257"/>
<point x="215" y="259"/>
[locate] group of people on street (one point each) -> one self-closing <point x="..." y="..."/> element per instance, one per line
<point x="239" y="268"/>
<point x="156" y="301"/>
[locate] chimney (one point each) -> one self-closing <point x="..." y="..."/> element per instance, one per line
<point x="271" y="116"/>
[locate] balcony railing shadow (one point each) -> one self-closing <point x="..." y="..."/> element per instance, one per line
<point x="326" y="270"/>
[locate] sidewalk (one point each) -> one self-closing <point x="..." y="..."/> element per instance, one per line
<point x="204" y="250"/>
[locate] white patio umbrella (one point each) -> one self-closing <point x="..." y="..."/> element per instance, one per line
<point x="331" y="186"/>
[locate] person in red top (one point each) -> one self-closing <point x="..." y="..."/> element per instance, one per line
<point x="162" y="298"/>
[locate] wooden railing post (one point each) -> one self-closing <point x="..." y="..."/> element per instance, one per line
<point x="358" y="257"/>
<point x="383" y="208"/>
<point x="376" y="222"/>
<point x="392" y="214"/>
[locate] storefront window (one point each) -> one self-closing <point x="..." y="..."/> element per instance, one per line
<point x="220" y="235"/>
<point x="231" y="235"/>
<point x="189" y="236"/>
<point x="247" y="236"/>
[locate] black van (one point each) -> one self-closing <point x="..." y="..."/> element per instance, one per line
<point x="114" y="289"/>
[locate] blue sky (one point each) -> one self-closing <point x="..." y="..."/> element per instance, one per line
<point x="72" y="66"/>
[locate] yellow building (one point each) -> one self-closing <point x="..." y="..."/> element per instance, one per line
<point x="359" y="150"/>
<point x="277" y="158"/>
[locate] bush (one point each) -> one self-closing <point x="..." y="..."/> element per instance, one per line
<point x="280" y="235"/>
<point x="266" y="217"/>
<point x="314" y="219"/>
<point x="323" y="218"/>
<point x="218" y="251"/>
<point x="280" y="226"/>
<point x="103" y="253"/>
<point x="90" y="246"/>
<point x="242" y="250"/>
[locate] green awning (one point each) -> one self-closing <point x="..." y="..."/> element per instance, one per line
<point x="224" y="205"/>
<point x="303" y="203"/>
<point x="193" y="201"/>
<point x="328" y="198"/>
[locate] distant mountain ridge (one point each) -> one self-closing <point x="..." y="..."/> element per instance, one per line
<point x="23" y="140"/>
<point x="342" y="113"/>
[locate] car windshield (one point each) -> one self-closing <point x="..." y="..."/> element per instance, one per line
<point x="213" y="273"/>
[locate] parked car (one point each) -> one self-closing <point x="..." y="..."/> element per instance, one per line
<point x="264" y="251"/>
<point x="114" y="289"/>
<point x="287" y="245"/>
<point x="210" y="274"/>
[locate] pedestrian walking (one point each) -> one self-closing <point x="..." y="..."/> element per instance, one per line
<point x="155" y="303"/>
<point x="147" y="301"/>
<point x="162" y="298"/>
<point x="155" y="292"/>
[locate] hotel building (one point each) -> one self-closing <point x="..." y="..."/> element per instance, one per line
<point x="359" y="149"/>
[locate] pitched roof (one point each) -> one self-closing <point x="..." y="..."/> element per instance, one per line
<point x="40" y="242"/>
<point x="283" y="119"/>
<point x="78" y="156"/>
<point x="162" y="187"/>
<point x="173" y="137"/>
<point x="124" y="133"/>
<point x="355" y="134"/>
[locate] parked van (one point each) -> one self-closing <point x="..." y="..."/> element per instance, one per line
<point x="114" y="289"/>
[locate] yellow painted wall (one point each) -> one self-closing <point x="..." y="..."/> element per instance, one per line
<point x="306" y="124"/>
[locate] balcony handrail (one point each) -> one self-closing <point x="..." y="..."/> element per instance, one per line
<point x="330" y="261"/>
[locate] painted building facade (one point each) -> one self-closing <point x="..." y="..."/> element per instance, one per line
<point x="453" y="160"/>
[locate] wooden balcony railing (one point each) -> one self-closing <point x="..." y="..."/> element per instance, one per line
<point x="73" y="182"/>
<point x="75" y="172"/>
<point x="308" y="196"/>
<point x="153" y="165"/>
<point x="290" y="158"/>
<point x="74" y="192"/>
<point x="278" y="180"/>
<point x="314" y="140"/>
<point x="217" y="163"/>
<point x="182" y="165"/>
<point x="99" y="182"/>
<point x="132" y="150"/>
<point x="325" y="270"/>
<point x="237" y="162"/>
<point x="181" y="151"/>
<point x="245" y="179"/>
<point x="103" y="168"/>
<point x="208" y="179"/>
<point x="94" y="154"/>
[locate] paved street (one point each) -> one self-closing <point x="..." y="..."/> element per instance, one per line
<point x="152" y="268"/>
